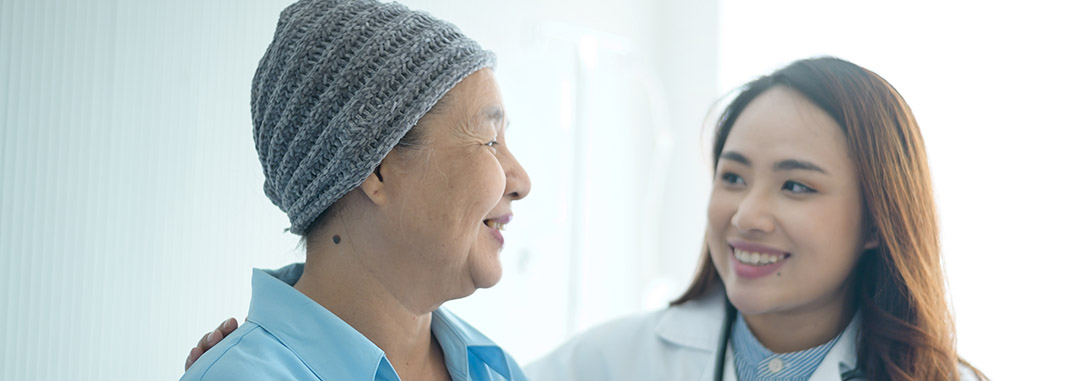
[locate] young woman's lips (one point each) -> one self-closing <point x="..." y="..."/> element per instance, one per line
<point x="757" y="254"/>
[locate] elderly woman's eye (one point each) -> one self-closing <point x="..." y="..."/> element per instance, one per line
<point x="796" y="187"/>
<point x="492" y="143"/>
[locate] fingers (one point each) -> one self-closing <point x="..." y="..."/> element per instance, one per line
<point x="228" y="326"/>
<point x="205" y="343"/>
<point x="209" y="340"/>
<point x="213" y="338"/>
<point x="191" y="357"/>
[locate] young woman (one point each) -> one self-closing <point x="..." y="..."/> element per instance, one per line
<point x="821" y="259"/>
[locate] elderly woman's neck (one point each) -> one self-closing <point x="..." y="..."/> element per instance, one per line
<point x="349" y="289"/>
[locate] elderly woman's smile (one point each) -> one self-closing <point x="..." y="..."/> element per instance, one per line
<point x="498" y="224"/>
<point x="381" y="134"/>
<point x="443" y="204"/>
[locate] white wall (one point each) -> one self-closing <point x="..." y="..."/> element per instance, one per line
<point x="131" y="205"/>
<point x="130" y="200"/>
<point x="994" y="86"/>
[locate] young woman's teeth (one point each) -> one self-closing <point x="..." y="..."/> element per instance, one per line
<point x="495" y="225"/>
<point x="757" y="259"/>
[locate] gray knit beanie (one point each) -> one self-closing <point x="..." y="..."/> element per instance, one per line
<point x="339" y="86"/>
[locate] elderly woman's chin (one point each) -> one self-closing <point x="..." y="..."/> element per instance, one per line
<point x="481" y="268"/>
<point x="487" y="277"/>
<point x="485" y="268"/>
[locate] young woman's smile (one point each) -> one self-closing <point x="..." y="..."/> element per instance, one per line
<point x="752" y="260"/>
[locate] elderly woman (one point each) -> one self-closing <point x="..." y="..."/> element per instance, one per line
<point x="381" y="134"/>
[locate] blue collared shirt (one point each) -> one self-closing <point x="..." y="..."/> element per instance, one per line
<point x="289" y="336"/>
<point x="754" y="362"/>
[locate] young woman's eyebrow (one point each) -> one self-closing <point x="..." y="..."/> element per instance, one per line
<point x="736" y="157"/>
<point x="783" y="165"/>
<point x="791" y="165"/>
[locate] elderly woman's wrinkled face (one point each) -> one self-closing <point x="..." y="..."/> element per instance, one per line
<point x="449" y="199"/>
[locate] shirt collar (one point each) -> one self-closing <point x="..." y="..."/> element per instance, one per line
<point x="311" y="331"/>
<point x="467" y="352"/>
<point x="843" y="357"/>
<point x="754" y="361"/>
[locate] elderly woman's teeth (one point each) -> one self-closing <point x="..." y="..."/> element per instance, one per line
<point x="495" y="225"/>
<point x="757" y="259"/>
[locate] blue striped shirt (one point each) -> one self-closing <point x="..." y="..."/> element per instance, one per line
<point x="755" y="362"/>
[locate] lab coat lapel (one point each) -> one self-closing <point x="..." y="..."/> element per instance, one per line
<point x="842" y="357"/>
<point x="696" y="325"/>
<point x="729" y="365"/>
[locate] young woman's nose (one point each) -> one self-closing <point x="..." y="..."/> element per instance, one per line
<point x="754" y="214"/>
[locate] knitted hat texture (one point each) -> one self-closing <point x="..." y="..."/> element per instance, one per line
<point x="341" y="83"/>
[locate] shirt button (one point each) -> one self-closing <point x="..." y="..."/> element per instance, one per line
<point x="776" y="365"/>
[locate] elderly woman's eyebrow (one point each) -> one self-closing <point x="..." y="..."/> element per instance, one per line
<point x="494" y="114"/>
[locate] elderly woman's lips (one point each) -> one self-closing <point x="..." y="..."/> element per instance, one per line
<point x="498" y="223"/>
<point x="494" y="225"/>
<point x="494" y="228"/>
<point x="504" y="219"/>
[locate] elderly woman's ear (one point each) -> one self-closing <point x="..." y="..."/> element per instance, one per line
<point x="374" y="187"/>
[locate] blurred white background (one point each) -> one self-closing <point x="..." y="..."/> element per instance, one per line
<point x="131" y="205"/>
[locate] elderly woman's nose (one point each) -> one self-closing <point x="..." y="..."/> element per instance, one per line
<point x="517" y="180"/>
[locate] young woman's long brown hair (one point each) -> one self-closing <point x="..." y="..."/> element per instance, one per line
<point x="907" y="329"/>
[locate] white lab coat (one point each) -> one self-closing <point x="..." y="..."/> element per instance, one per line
<point x="676" y="343"/>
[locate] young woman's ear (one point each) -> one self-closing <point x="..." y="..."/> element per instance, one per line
<point x="871" y="243"/>
<point x="871" y="239"/>
<point x="375" y="186"/>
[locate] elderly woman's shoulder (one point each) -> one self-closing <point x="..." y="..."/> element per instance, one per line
<point x="249" y="353"/>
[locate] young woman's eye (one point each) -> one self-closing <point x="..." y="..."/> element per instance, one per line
<point x="797" y="187"/>
<point x="732" y="179"/>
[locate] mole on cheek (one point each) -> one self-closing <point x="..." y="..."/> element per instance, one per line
<point x="777" y="273"/>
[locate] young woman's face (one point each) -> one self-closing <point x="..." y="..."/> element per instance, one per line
<point x="785" y="216"/>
